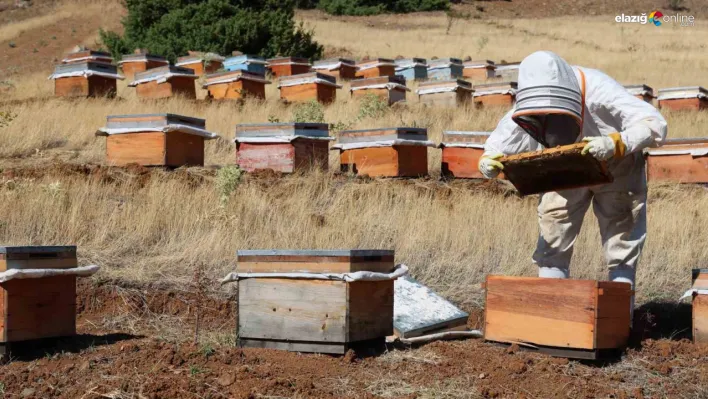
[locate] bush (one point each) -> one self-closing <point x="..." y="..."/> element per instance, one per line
<point x="372" y="7"/>
<point x="309" y="112"/>
<point x="227" y="179"/>
<point x="173" y="27"/>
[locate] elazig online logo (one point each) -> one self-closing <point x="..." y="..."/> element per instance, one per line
<point x="657" y="18"/>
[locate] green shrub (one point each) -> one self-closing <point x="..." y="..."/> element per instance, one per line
<point x="173" y="27"/>
<point x="227" y="179"/>
<point x="309" y="112"/>
<point x="372" y="106"/>
<point x="372" y="7"/>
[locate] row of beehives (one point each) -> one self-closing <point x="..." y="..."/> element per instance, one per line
<point x="174" y="141"/>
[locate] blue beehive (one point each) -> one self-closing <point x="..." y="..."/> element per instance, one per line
<point x="412" y="68"/>
<point x="445" y="69"/>
<point x="245" y="62"/>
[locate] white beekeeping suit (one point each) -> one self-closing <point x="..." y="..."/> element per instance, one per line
<point x="616" y="125"/>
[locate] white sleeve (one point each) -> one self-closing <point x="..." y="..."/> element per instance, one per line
<point x="508" y="138"/>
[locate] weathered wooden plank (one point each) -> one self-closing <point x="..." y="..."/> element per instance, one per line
<point x="147" y="149"/>
<point x="332" y="348"/>
<point x="461" y="162"/>
<point x="279" y="157"/>
<point x="370" y="310"/>
<point x="679" y="168"/>
<point x="509" y="326"/>
<point x="373" y="162"/>
<point x="684" y="104"/>
<point x="314" y="267"/>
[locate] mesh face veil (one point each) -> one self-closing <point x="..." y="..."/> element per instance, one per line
<point x="551" y="130"/>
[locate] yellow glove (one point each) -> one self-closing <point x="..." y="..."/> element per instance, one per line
<point x="489" y="166"/>
<point x="604" y="148"/>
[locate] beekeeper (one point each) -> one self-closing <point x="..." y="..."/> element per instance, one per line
<point x="557" y="104"/>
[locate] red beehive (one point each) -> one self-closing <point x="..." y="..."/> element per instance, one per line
<point x="679" y="160"/>
<point x="694" y="98"/>
<point x="461" y="152"/>
<point x="287" y="66"/>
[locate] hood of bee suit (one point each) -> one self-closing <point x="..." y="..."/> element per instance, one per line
<point x="548" y="85"/>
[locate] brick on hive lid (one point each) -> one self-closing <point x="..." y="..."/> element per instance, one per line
<point x="683" y="160"/>
<point x="390" y="89"/>
<point x="165" y="81"/>
<point x="693" y="98"/>
<point x="451" y="93"/>
<point x="412" y="68"/>
<point x="308" y="86"/>
<point x="461" y="151"/>
<point x="236" y="84"/>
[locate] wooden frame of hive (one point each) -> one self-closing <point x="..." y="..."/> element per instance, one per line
<point x="495" y="94"/>
<point x="412" y="68"/>
<point x="479" y="70"/>
<point x="235" y="85"/>
<point x="85" y="79"/>
<point x="449" y="93"/>
<point x="37" y="308"/>
<point x="445" y="69"/>
<point x="201" y="63"/>
<point x="247" y="63"/>
<point x="390" y="89"/>
<point x="679" y="161"/>
<point x="461" y="152"/>
<point x="314" y="315"/>
<point x="642" y="92"/>
<point x="282" y="147"/>
<point x="508" y="71"/>
<point x="700" y="305"/>
<point x="339" y="68"/>
<point x="307" y="87"/>
<point x="88" y="56"/>
<point x="155" y="140"/>
<point x="288" y="66"/>
<point x="164" y="82"/>
<point x="560" y="317"/>
<point x="387" y="152"/>
<point x="375" y="68"/>
<point x="693" y="98"/>
<point x="134" y="63"/>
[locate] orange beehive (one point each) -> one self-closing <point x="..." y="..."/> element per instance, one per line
<point x="448" y="93"/>
<point x="700" y="306"/>
<point x="694" y="98"/>
<point x="390" y="89"/>
<point x="287" y="66"/>
<point x="478" y="70"/>
<point x="389" y="152"/>
<point x="376" y="68"/>
<point x="307" y="87"/>
<point x="679" y="160"/>
<point x="461" y="152"/>
<point x="85" y="79"/>
<point x="155" y="140"/>
<point x="339" y="68"/>
<point x="233" y="85"/>
<point x="642" y="92"/>
<point x="201" y="63"/>
<point x="495" y="94"/>
<point x="134" y="63"/>
<point x="164" y="82"/>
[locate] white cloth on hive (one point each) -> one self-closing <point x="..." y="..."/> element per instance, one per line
<point x="19" y="274"/>
<point x="382" y="143"/>
<point x="398" y="271"/>
<point x="105" y="131"/>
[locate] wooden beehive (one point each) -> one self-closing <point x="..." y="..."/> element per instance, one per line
<point x="495" y="94"/>
<point x="461" y="152"/>
<point x="390" y="89"/>
<point x="234" y="85"/>
<point x="554" y="169"/>
<point x="693" y="98"/>
<point x="569" y="318"/>
<point x="448" y="93"/>
<point x="88" y="56"/>
<point x="37" y="308"/>
<point x="479" y="70"/>
<point x="85" y="79"/>
<point x="389" y="152"/>
<point x="288" y="66"/>
<point x="314" y="315"/>
<point x="375" y="68"/>
<point x="339" y="68"/>
<point x="679" y="160"/>
<point x="164" y="82"/>
<point x="134" y="63"/>
<point x="282" y="147"/>
<point x="307" y="87"/>
<point x="445" y="68"/>
<point x="700" y="306"/>
<point x="412" y="68"/>
<point x="247" y="63"/>
<point x="508" y="71"/>
<point x="155" y="140"/>
<point x="201" y="63"/>
<point x="642" y="92"/>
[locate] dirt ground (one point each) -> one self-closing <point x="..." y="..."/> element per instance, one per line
<point x="136" y="342"/>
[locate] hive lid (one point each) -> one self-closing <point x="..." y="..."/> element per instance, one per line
<point x="385" y="134"/>
<point x="375" y="61"/>
<point x="37" y="249"/>
<point x="198" y="57"/>
<point x="436" y="86"/>
<point x="244" y="59"/>
<point x="378" y="81"/>
<point x="408" y="62"/>
<point x="282" y="129"/>
<point x="495" y="88"/>
<point x="333" y="61"/>
<point x="315" y="261"/>
<point x="676" y="93"/>
<point x="142" y="57"/>
<point x="507" y="66"/>
<point x="85" y="66"/>
<point x="465" y="137"/>
<point x="88" y="55"/>
<point x="479" y="64"/>
<point x="694" y="146"/>
<point x="152" y="121"/>
<point x="288" y="60"/>
<point x="444" y="62"/>
<point x="638" y="89"/>
<point x="162" y="74"/>
<point x="233" y="76"/>
<point x="307" y="78"/>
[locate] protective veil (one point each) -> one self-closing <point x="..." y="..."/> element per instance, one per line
<point x="602" y="107"/>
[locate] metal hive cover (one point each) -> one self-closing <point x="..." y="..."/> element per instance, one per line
<point x="379" y="80"/>
<point x="409" y="61"/>
<point x="152" y="121"/>
<point x="385" y="134"/>
<point x="164" y="70"/>
<point x="445" y="61"/>
<point x="316" y="252"/>
<point x="86" y="66"/>
<point x="445" y="83"/>
<point x="330" y="61"/>
<point x="465" y="137"/>
<point x="282" y="129"/>
<point x="244" y="58"/>
<point x="309" y="75"/>
<point x="37" y="249"/>
<point x="288" y="60"/>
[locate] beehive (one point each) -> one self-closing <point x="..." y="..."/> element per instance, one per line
<point x="234" y="85"/>
<point x="282" y="147"/>
<point x="461" y="152"/>
<point x="37" y="308"/>
<point x="164" y="82"/>
<point x="307" y="87"/>
<point x="155" y="140"/>
<point x="390" y="89"/>
<point x="87" y="56"/>
<point x="679" y="161"/>
<point x="642" y="92"/>
<point x="247" y="63"/>
<point x="508" y="71"/>
<point x="448" y="93"/>
<point x="375" y="68"/>
<point x="288" y="66"/>
<point x="445" y="69"/>
<point x="339" y="68"/>
<point x="495" y="94"/>
<point x="479" y="70"/>
<point x="693" y="98"/>
<point x="134" y="63"/>
<point x="700" y="306"/>
<point x="85" y="79"/>
<point x="201" y="63"/>
<point x="389" y="152"/>
<point x="318" y="314"/>
<point x="569" y="318"/>
<point x="412" y="68"/>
